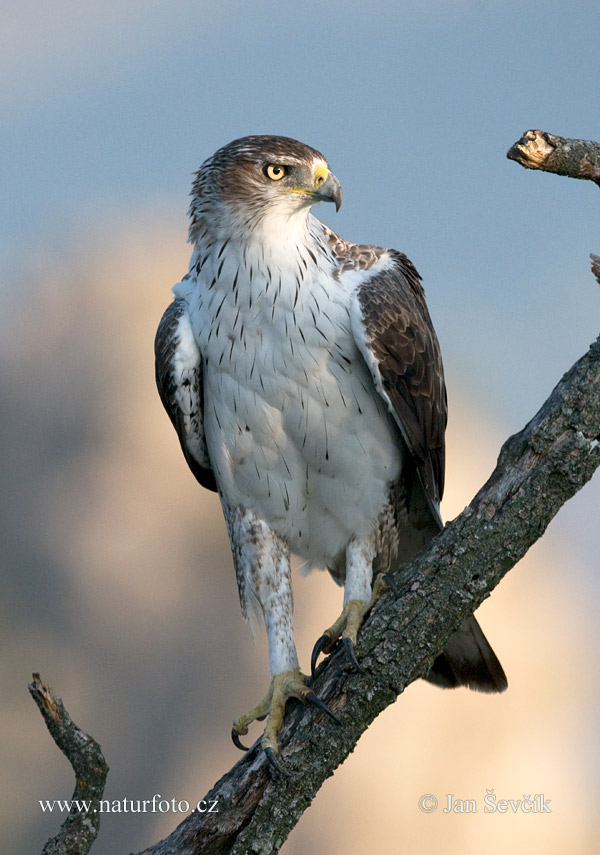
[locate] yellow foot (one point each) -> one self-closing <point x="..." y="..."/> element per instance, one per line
<point x="347" y="625"/>
<point x="289" y="684"/>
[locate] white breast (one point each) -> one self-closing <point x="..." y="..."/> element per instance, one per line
<point x="294" y="426"/>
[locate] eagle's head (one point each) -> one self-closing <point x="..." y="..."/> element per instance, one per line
<point x="256" y="178"/>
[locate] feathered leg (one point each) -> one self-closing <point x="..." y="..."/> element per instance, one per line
<point x="262" y="565"/>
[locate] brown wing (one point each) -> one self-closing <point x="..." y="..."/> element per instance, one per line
<point x="394" y="332"/>
<point x="181" y="389"/>
<point x="396" y="337"/>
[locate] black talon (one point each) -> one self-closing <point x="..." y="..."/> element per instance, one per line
<point x="275" y="764"/>
<point x="391" y="584"/>
<point x="321" y="644"/>
<point x="311" y="698"/>
<point x="235" y="737"/>
<point x="349" y="650"/>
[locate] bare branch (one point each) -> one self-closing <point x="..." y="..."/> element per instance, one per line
<point x="595" y="266"/>
<point x="574" y="158"/>
<point x="538" y="470"/>
<point x="80" y="828"/>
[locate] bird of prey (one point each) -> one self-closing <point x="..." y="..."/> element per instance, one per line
<point x="304" y="378"/>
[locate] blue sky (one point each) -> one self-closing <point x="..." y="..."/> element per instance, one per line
<point x="109" y="109"/>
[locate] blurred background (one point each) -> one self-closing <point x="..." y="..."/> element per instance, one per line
<point x="117" y="582"/>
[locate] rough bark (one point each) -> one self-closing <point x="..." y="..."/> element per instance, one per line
<point x="574" y="158"/>
<point x="595" y="266"/>
<point x="252" y="809"/>
<point x="80" y="828"/>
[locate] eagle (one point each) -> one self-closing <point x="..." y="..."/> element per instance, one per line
<point x="303" y="376"/>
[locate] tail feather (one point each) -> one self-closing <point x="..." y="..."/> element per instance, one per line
<point x="468" y="660"/>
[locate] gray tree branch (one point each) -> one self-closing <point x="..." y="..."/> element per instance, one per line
<point x="542" y="150"/>
<point x="595" y="266"/>
<point x="80" y="828"/>
<point x="251" y="809"/>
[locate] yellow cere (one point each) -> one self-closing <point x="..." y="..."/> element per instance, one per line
<point x="321" y="174"/>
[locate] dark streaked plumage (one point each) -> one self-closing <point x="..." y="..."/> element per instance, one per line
<point x="405" y="348"/>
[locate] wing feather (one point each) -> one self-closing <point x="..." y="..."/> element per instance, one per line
<point x="394" y="332"/>
<point x="181" y="389"/>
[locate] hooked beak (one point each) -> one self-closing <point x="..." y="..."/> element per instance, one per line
<point x="329" y="190"/>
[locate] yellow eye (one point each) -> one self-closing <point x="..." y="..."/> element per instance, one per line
<point x="275" y="171"/>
